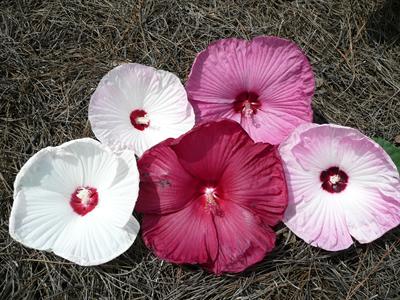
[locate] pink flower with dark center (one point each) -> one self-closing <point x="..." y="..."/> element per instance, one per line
<point x="341" y="184"/>
<point x="265" y="84"/>
<point x="211" y="196"/>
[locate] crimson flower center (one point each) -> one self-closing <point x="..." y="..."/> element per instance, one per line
<point x="139" y="119"/>
<point x="334" y="180"/>
<point x="84" y="200"/>
<point x="247" y="103"/>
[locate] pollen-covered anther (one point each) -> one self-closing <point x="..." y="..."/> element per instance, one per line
<point x="139" y="119"/>
<point x="84" y="194"/>
<point x="247" y="109"/>
<point x="210" y="195"/>
<point x="143" y="120"/>
<point x="334" y="179"/>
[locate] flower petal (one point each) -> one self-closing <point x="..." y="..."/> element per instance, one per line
<point x="43" y="218"/>
<point x="370" y="213"/>
<point x="218" y="73"/>
<point x="273" y="68"/>
<point x="96" y="242"/>
<point x="256" y="181"/>
<point x="373" y="208"/>
<point x="367" y="207"/>
<point x="132" y="87"/>
<point x="319" y="220"/>
<point x="185" y="236"/>
<point x="260" y="129"/>
<point x="211" y="145"/>
<point x="243" y="238"/>
<point x="165" y="186"/>
<point x="207" y="217"/>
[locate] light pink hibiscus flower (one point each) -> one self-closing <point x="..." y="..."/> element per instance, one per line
<point x="341" y="184"/>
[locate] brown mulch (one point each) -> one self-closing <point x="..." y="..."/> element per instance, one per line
<point x="52" y="56"/>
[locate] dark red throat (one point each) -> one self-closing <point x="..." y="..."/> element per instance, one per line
<point x="84" y="200"/>
<point x="246" y="102"/>
<point x="334" y="180"/>
<point x="135" y="116"/>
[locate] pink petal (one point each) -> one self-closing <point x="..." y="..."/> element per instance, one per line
<point x="211" y="145"/>
<point x="256" y="181"/>
<point x="165" y="186"/>
<point x="284" y="123"/>
<point x="215" y="111"/>
<point x="185" y="236"/>
<point x="367" y="207"/>
<point x="273" y="68"/>
<point x="218" y="72"/>
<point x="243" y="238"/>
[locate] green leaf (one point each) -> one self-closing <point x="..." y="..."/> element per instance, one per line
<point x="392" y="150"/>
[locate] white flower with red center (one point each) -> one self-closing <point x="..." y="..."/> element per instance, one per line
<point x="341" y="184"/>
<point x="137" y="106"/>
<point x="76" y="200"/>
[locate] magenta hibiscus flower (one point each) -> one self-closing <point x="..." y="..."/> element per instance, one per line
<point x="265" y="84"/>
<point x="211" y="196"/>
<point x="341" y="184"/>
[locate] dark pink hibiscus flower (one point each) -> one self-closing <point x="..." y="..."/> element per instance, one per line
<point x="265" y="84"/>
<point x="211" y="196"/>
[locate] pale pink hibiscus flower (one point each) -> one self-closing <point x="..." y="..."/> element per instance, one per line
<point x="211" y="196"/>
<point x="265" y="84"/>
<point x="137" y="106"/>
<point x="341" y="184"/>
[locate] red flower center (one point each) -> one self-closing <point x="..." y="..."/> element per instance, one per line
<point x="211" y="197"/>
<point x="84" y="200"/>
<point x="247" y="103"/>
<point x="333" y="180"/>
<point x="139" y="119"/>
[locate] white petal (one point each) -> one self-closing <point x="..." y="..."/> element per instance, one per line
<point x="132" y="86"/>
<point x="94" y="243"/>
<point x="370" y="213"/>
<point x="43" y="218"/>
<point x="319" y="221"/>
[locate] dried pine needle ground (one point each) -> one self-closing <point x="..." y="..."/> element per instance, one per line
<point x="53" y="54"/>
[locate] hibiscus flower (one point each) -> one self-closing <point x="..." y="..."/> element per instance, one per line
<point x="341" y="184"/>
<point x="265" y="84"/>
<point x="211" y="196"/>
<point x="76" y="200"/>
<point x="136" y="107"/>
